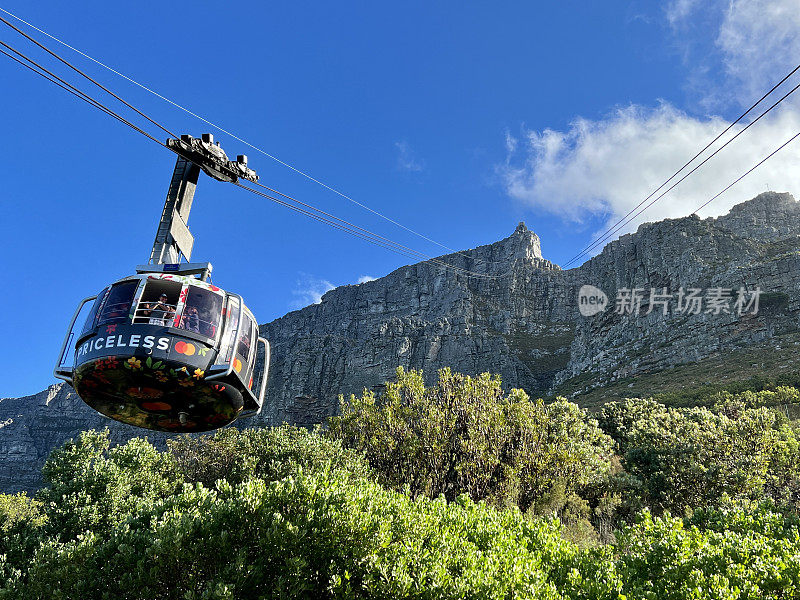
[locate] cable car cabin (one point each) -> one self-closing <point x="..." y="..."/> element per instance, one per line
<point x="167" y="352"/>
<point x="163" y="349"/>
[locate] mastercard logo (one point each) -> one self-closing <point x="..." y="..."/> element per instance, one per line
<point x="185" y="348"/>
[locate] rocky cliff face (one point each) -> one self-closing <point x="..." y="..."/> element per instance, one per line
<point x="422" y="316"/>
<point x="522" y="321"/>
<point x="520" y="318"/>
<point x="755" y="246"/>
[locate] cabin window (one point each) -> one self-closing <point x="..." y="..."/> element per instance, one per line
<point x="260" y="359"/>
<point x="253" y="355"/>
<point x="90" y="319"/>
<point x="158" y="302"/>
<point x="246" y="339"/>
<point x="245" y="351"/>
<point x="201" y="312"/>
<point x="231" y="312"/>
<point x="117" y="305"/>
<point x="245" y="348"/>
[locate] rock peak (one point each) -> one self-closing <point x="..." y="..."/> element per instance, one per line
<point x="769" y="201"/>
<point x="768" y="216"/>
<point x="524" y="243"/>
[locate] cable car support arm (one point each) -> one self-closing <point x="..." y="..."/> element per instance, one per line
<point x="173" y="240"/>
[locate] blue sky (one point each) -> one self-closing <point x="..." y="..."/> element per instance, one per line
<point x="455" y="119"/>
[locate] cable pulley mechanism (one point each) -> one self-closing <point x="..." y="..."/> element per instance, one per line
<point x="210" y="157"/>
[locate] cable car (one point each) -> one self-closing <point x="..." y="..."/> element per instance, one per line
<point x="165" y="349"/>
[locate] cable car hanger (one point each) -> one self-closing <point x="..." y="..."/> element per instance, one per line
<point x="173" y="239"/>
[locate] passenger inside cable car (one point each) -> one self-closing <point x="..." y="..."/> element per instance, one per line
<point x="202" y="312"/>
<point x="158" y="303"/>
<point x="191" y="319"/>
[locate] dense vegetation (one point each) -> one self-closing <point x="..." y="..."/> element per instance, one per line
<point x="465" y="436"/>
<point x="456" y="490"/>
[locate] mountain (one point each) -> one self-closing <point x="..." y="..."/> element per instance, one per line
<point x="521" y="318"/>
<point x="504" y="308"/>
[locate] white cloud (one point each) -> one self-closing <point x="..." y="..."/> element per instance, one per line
<point x="755" y="44"/>
<point x="365" y="279"/>
<point x="678" y="10"/>
<point x="406" y="161"/>
<point x="309" y="290"/>
<point x="606" y="167"/>
<point x="760" y="43"/>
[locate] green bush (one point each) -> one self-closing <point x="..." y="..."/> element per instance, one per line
<point x="785" y="398"/>
<point x="488" y="495"/>
<point x="268" y="454"/>
<point x="734" y="553"/>
<point x="465" y="436"/>
<point x="691" y="457"/>
<point x="326" y="536"/>
<point x="19" y="509"/>
<point x="287" y="513"/>
<point x="21" y="520"/>
<point x="91" y="486"/>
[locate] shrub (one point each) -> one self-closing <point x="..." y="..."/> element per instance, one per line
<point x="786" y="399"/>
<point x="269" y="454"/>
<point x="465" y="436"/>
<point x="322" y="536"/>
<point x="19" y="509"/>
<point x="737" y="553"/>
<point x="92" y="486"/>
<point x="689" y="458"/>
<point x="21" y="520"/>
<point x="300" y="520"/>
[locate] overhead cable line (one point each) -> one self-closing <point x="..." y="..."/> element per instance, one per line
<point x="312" y="211"/>
<point x="746" y="173"/>
<point x="65" y="85"/>
<point x="390" y="244"/>
<point x="704" y="161"/>
<point x="368" y="236"/>
<point x="387" y="240"/>
<point x="624" y="220"/>
<point x="335" y="222"/>
<point x="220" y="128"/>
<point x="77" y="70"/>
